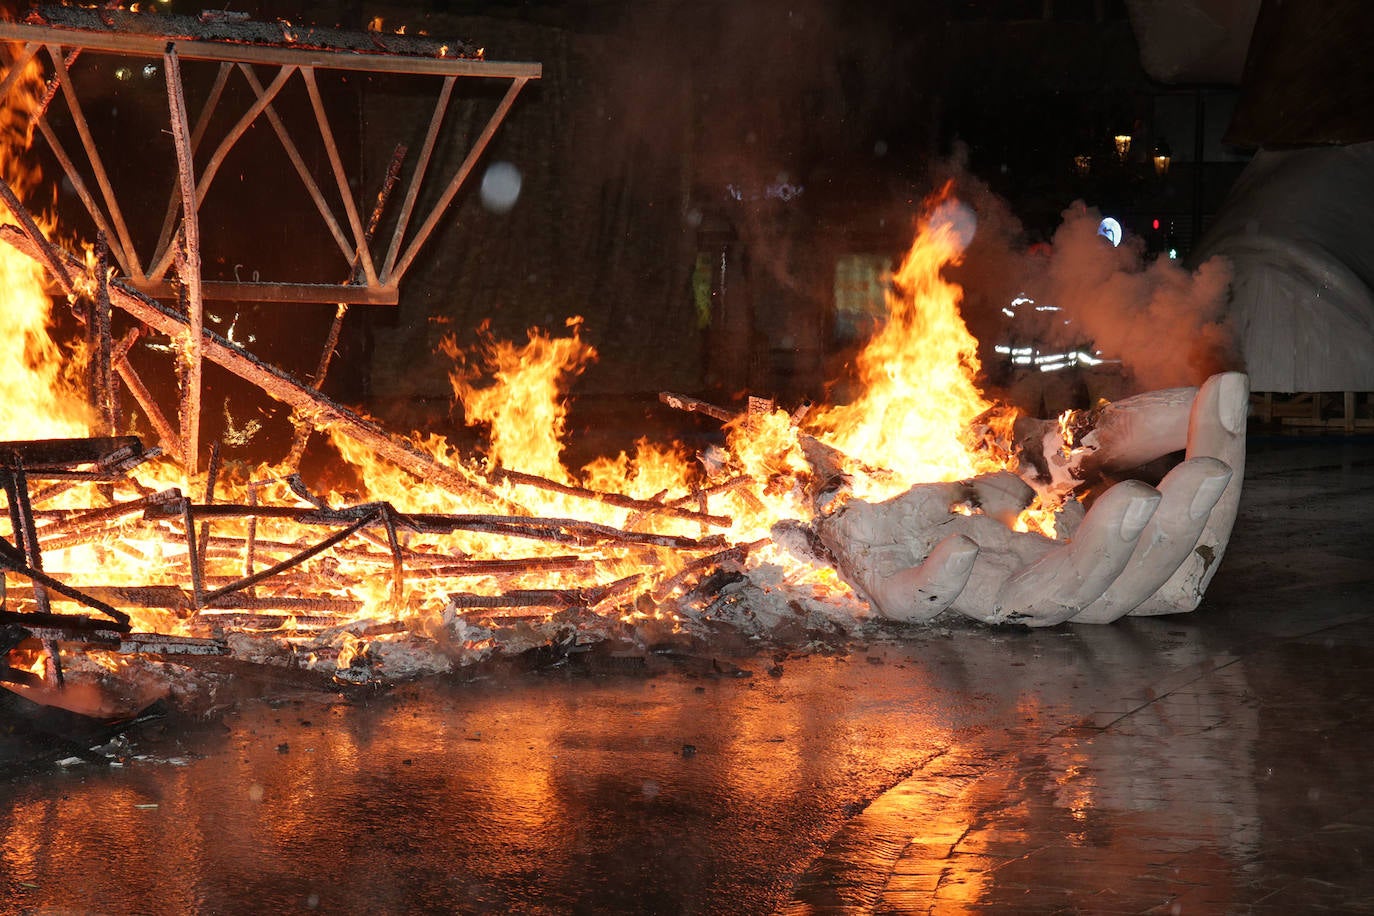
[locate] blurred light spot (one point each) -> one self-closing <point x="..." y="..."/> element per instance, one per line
<point x="500" y="187"/>
<point x="959" y="218"/>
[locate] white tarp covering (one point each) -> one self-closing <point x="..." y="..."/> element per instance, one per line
<point x="1193" y="41"/>
<point x="1299" y="229"/>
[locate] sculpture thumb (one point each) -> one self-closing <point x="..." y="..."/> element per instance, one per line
<point x="1216" y="429"/>
<point x="918" y="593"/>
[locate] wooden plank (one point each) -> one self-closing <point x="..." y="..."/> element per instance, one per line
<point x="290" y="293"/>
<point x="38" y="454"/>
<point x="188" y="268"/>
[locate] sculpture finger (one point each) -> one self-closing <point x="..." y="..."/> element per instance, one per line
<point x="1132" y="431"/>
<point x="1188" y="493"/>
<point x="1069" y="578"/>
<point x="918" y="593"/>
<point x="1216" y="429"/>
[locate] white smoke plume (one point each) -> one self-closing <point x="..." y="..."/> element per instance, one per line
<point x="1165" y="323"/>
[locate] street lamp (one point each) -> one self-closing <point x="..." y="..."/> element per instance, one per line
<point x="1162" y="159"/>
<point x="1123" y="146"/>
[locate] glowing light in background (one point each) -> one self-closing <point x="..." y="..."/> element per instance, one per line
<point x="1123" y="146"/>
<point x="1110" y="230"/>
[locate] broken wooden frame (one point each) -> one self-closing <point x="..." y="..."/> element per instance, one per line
<point x="220" y="603"/>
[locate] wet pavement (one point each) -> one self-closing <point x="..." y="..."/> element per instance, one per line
<point x="1218" y="762"/>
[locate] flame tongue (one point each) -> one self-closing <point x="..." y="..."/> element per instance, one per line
<point x="39" y="391"/>
<point x="918" y="375"/>
<point x="524" y="406"/>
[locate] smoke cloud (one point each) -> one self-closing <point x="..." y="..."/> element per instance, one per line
<point x="1166" y="323"/>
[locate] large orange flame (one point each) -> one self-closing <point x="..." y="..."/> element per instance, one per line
<point x="918" y="377"/>
<point x="524" y="406"/>
<point x="40" y="394"/>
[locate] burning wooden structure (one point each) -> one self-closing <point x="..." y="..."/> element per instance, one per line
<point x="517" y="552"/>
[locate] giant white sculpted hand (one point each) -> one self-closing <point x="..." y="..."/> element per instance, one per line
<point x="1139" y="550"/>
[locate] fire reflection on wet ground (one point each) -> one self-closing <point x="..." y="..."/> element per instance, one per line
<point x="1211" y="763"/>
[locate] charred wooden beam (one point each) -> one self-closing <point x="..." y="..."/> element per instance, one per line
<point x="47" y="625"/>
<point x="19" y="676"/>
<point x="398" y="567"/>
<point x="103" y="391"/>
<point x="290" y="562"/>
<point x="17" y="66"/>
<point x="11" y="559"/>
<point x="217" y="35"/>
<point x="738" y="553"/>
<point x="564" y="530"/>
<point x="619" y="500"/>
<point x="355" y="223"/>
<point x="556" y="598"/>
<point x="211" y="478"/>
<point x="197" y="134"/>
<point x="302" y="433"/>
<point x="290" y="605"/>
<point x="455" y="183"/>
<point x="168" y="597"/>
<point x="158" y="644"/>
<point x="121" y="237"/>
<point x="26" y="553"/>
<point x="81" y="521"/>
<point x="42" y="249"/>
<point x="117" y="464"/>
<point x="501" y="568"/>
<point x="188" y="266"/>
<point x="417" y="177"/>
<point x="268" y="622"/>
<point x="168" y="438"/>
<point x="555" y="529"/>
<point x="63" y="454"/>
<point x="695" y="405"/>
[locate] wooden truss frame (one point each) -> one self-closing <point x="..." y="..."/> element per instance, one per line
<point x="243" y="47"/>
<point x="378" y="273"/>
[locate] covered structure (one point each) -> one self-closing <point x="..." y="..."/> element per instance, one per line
<point x="1294" y="224"/>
